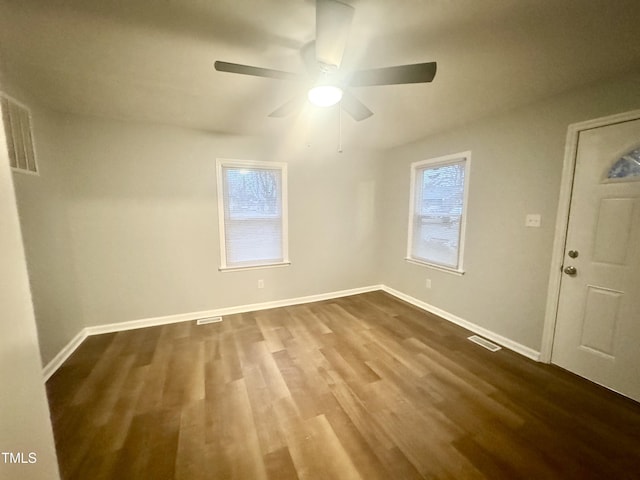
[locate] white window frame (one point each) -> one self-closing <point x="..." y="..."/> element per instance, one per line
<point x="434" y="163"/>
<point x="249" y="164"/>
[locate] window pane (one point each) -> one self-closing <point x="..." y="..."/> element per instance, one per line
<point x="250" y="241"/>
<point x="253" y="216"/>
<point x="438" y="214"/>
<point x="626" y="166"/>
<point x="252" y="192"/>
<point x="436" y="241"/>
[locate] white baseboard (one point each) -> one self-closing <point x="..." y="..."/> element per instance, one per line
<point x="66" y="352"/>
<point x="220" y="312"/>
<point x="497" y="338"/>
<point x="55" y="363"/>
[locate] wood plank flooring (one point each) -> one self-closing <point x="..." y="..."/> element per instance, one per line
<point x="361" y="387"/>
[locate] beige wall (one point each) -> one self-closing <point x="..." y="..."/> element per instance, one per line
<point x="122" y="223"/>
<point x="24" y="414"/>
<point x="45" y="225"/>
<point x="516" y="168"/>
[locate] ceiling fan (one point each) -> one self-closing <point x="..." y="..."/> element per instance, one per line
<point x="322" y="59"/>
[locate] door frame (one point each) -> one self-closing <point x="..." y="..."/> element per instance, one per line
<point x="562" y="222"/>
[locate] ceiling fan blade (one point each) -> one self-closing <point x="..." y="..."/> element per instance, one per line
<point x="288" y="108"/>
<point x="254" y="71"/>
<point x="354" y="107"/>
<point x="415" y="73"/>
<point x="308" y="55"/>
<point x="333" y="22"/>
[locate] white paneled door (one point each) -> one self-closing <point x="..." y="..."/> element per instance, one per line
<point x="598" y="324"/>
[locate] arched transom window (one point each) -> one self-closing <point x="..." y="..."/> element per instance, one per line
<point x="627" y="166"/>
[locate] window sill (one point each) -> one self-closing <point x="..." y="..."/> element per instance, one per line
<point x="453" y="271"/>
<point x="254" y="267"/>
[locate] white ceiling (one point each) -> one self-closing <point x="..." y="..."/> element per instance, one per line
<point x="152" y="60"/>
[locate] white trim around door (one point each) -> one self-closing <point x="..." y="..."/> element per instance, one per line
<point x="562" y="222"/>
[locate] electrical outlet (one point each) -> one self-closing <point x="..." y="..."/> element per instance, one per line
<point x="532" y="220"/>
<point x="260" y="283"/>
<point x="428" y="283"/>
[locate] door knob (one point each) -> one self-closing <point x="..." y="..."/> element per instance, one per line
<point x="570" y="270"/>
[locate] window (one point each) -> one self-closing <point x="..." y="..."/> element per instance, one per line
<point x="252" y="209"/>
<point x="437" y="211"/>
<point x="627" y="166"/>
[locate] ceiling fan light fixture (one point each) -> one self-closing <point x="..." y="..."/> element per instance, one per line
<point x="325" y="95"/>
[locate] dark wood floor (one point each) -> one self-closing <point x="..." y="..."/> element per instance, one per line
<point x="359" y="387"/>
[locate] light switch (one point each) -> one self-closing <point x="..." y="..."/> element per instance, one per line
<point x="532" y="220"/>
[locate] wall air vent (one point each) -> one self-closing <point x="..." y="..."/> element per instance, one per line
<point x="18" y="132"/>
<point x="484" y="343"/>
<point x="204" y="321"/>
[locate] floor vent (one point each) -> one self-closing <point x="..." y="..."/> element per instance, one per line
<point x="204" y="321"/>
<point x="484" y="343"/>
